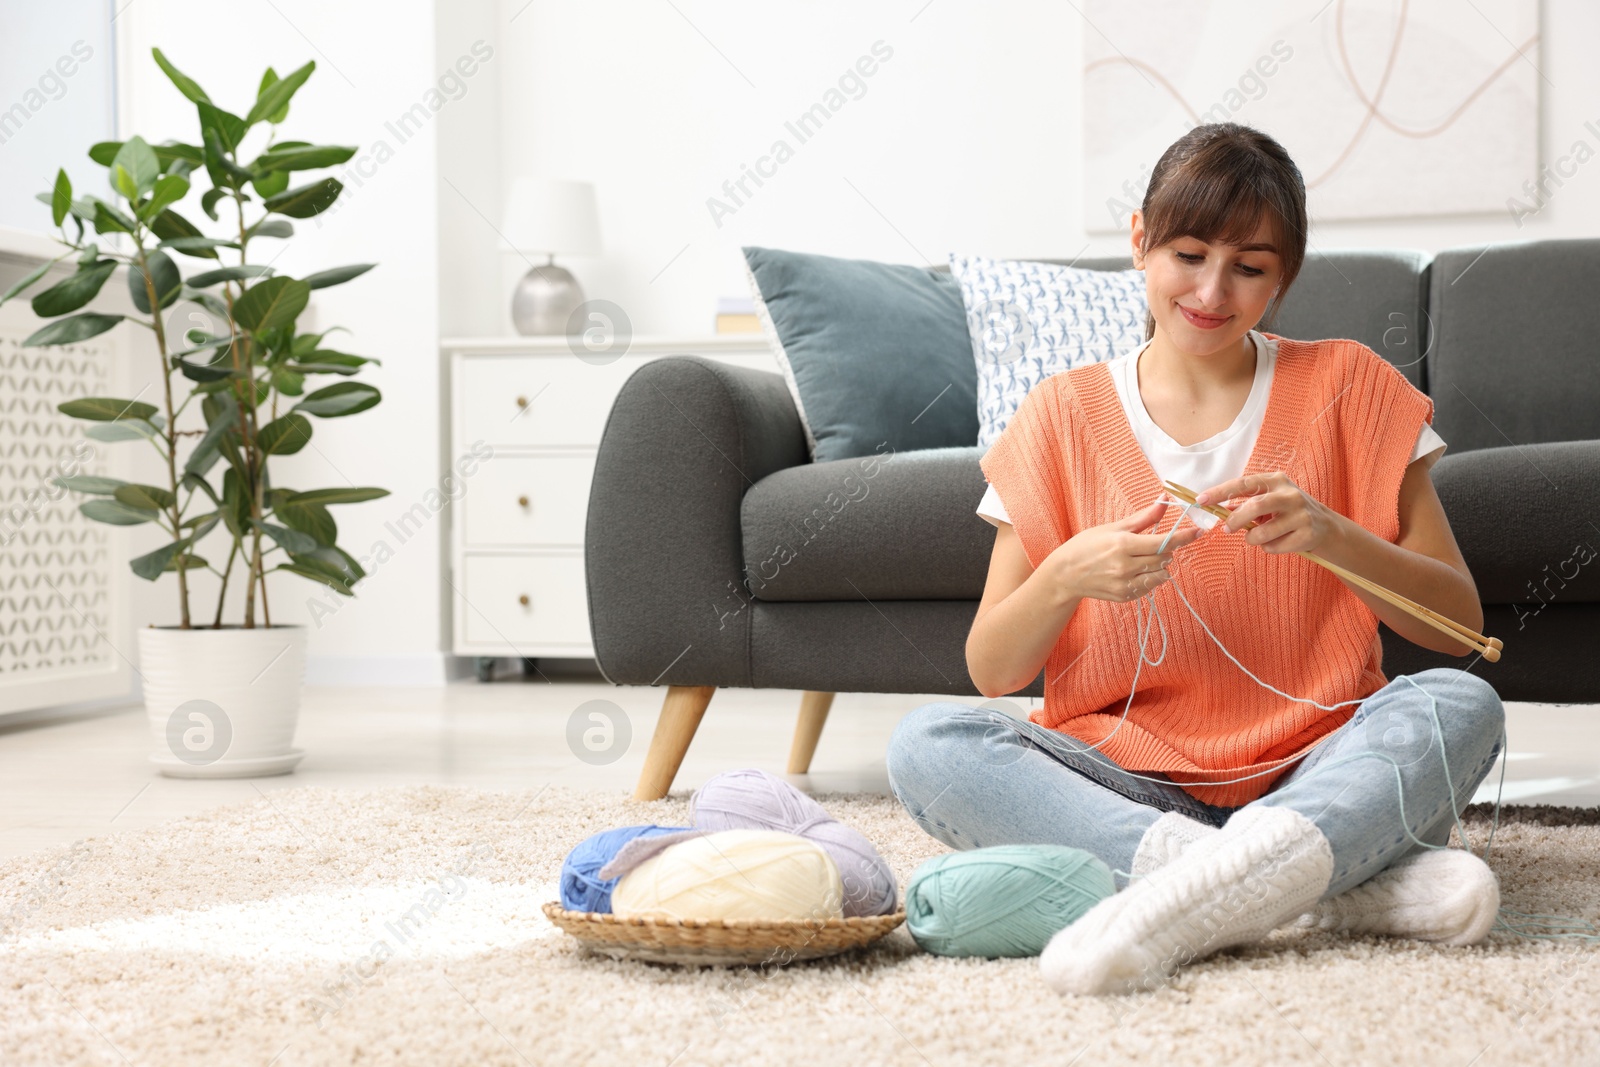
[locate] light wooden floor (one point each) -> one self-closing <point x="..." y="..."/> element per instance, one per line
<point x="86" y="778"/>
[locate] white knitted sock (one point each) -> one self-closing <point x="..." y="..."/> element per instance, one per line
<point x="1445" y="895"/>
<point x="1266" y="866"/>
<point x="1165" y="841"/>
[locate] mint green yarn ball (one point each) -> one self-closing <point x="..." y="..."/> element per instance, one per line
<point x="1007" y="900"/>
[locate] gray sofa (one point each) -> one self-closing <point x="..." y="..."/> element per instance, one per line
<point x="870" y="584"/>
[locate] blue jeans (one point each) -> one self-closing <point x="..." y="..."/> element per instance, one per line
<point x="973" y="777"/>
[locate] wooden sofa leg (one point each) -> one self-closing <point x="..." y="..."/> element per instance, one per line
<point x="808" y="729"/>
<point x="681" y="711"/>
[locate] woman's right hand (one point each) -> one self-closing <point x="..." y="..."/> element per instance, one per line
<point x="1117" y="563"/>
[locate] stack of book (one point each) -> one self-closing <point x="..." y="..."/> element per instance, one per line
<point x="737" y="314"/>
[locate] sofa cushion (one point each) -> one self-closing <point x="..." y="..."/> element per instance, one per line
<point x="1513" y="360"/>
<point x="1375" y="296"/>
<point x="893" y="526"/>
<point x="874" y="354"/>
<point x="1031" y="319"/>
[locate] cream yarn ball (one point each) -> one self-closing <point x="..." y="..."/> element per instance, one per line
<point x="734" y="874"/>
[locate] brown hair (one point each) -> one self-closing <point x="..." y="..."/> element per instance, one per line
<point x="1214" y="183"/>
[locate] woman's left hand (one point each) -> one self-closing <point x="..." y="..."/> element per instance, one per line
<point x="1291" y="520"/>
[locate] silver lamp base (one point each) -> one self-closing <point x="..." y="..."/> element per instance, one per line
<point x="544" y="301"/>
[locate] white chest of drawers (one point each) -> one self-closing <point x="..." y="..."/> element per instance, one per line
<point x="525" y="418"/>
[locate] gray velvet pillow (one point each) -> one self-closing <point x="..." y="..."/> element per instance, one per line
<point x="877" y="355"/>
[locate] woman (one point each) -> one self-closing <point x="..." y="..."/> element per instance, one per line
<point x="1232" y="791"/>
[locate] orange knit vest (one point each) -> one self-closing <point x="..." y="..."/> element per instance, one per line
<point x="1342" y="423"/>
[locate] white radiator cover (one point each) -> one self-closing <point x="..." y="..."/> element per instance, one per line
<point x="63" y="578"/>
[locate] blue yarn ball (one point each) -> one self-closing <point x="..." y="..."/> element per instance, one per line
<point x="582" y="888"/>
<point x="1005" y="900"/>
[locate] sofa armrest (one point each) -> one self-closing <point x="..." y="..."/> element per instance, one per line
<point x="662" y="552"/>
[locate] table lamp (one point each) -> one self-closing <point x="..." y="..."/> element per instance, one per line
<point x="543" y="217"/>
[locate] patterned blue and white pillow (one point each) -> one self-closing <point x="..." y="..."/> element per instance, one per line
<point x="1031" y="320"/>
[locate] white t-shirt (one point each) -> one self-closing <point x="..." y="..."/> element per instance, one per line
<point x="1216" y="459"/>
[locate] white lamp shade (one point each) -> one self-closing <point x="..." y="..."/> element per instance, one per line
<point x="546" y="215"/>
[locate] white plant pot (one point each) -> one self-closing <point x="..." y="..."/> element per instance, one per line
<point x="223" y="703"/>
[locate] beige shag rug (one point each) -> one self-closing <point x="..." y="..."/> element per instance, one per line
<point x="273" y="932"/>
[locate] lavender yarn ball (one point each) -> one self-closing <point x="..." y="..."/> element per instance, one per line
<point x="582" y="888"/>
<point x="755" y="800"/>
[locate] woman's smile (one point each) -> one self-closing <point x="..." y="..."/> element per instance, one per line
<point x="1201" y="319"/>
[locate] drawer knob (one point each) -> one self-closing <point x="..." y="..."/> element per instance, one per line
<point x="522" y="401"/>
<point x="523" y="600"/>
<point x="522" y="501"/>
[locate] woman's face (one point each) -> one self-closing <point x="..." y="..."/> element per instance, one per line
<point x="1206" y="297"/>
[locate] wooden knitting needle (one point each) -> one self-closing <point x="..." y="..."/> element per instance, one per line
<point x="1490" y="647"/>
<point x="1420" y="610"/>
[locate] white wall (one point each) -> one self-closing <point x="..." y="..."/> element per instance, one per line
<point x="967" y="139"/>
<point x="373" y="64"/>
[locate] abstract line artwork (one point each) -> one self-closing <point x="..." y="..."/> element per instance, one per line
<point x="1397" y="108"/>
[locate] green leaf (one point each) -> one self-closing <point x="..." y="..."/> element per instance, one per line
<point x="307" y="200"/>
<point x="189" y="563"/>
<point x="148" y="497"/>
<point x="327" y="361"/>
<point x="270" y="227"/>
<point x="274" y="97"/>
<point x="305" y="571"/>
<point x="305" y="157"/>
<point x="138" y="161"/>
<point x="271" y="303"/>
<point x="223" y="170"/>
<point x="288" y="381"/>
<point x="203" y="372"/>
<point x="205" y="453"/>
<point x="268" y="78"/>
<point x="350" y="565"/>
<point x="311" y="518"/>
<point x="235" y="504"/>
<point x="150" y="565"/>
<point x="32" y="276"/>
<point x="169" y="189"/>
<point x="114" y="513"/>
<point x="351" y="495"/>
<point x="209" y="278"/>
<point x="108" y="219"/>
<point x="208" y="201"/>
<point x="61" y="198"/>
<point x="192" y="482"/>
<point x="164" y="276"/>
<point x="186" y="85"/>
<point x="71" y="330"/>
<point x="345" y="398"/>
<point x="172" y="153"/>
<point x="324" y="278"/>
<point x="229" y="128"/>
<point x="203" y="247"/>
<point x="105" y="409"/>
<point x="291" y="540"/>
<point x="201" y="525"/>
<point x="112" y="432"/>
<point x="271" y="184"/>
<point x="202" y="342"/>
<point x="73" y="292"/>
<point x="90" y="483"/>
<point x="285" y="436"/>
<point x="171" y="226"/>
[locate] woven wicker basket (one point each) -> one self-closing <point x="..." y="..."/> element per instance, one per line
<point x="711" y="942"/>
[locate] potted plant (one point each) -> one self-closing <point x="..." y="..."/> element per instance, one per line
<point x="222" y="700"/>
